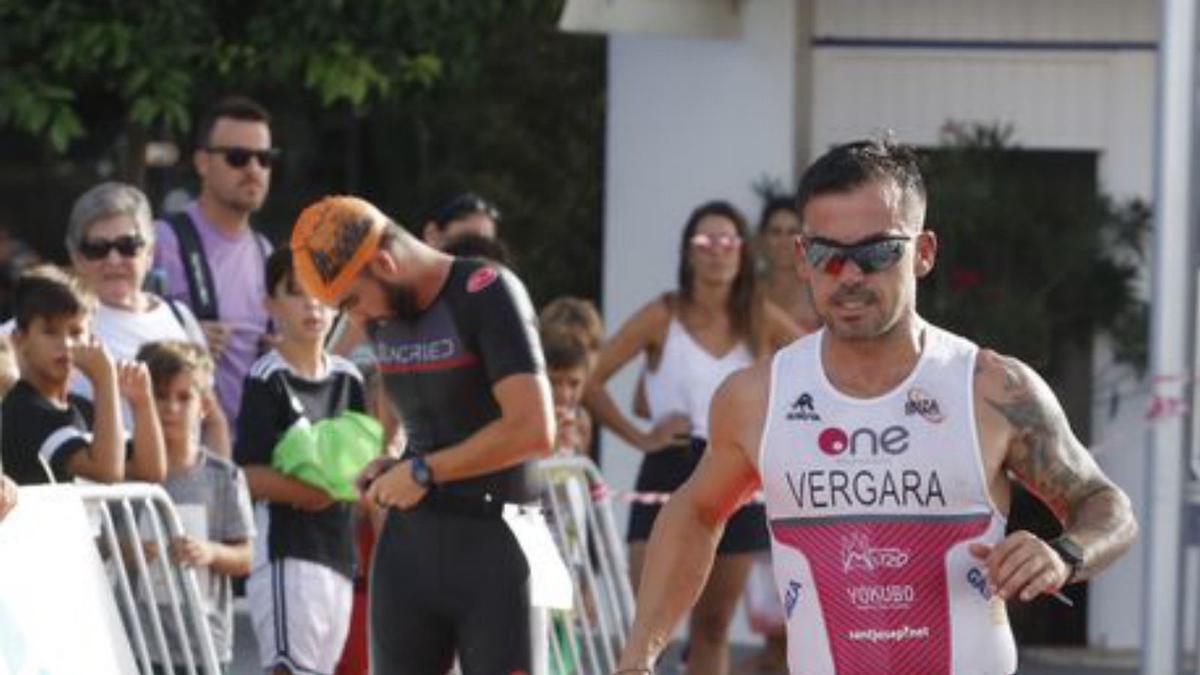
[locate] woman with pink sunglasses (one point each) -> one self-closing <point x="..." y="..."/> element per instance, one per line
<point x="714" y="323"/>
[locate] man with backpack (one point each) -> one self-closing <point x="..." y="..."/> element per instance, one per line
<point x="209" y="256"/>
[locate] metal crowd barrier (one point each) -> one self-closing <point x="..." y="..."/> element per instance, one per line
<point x="587" y="640"/>
<point x="147" y="607"/>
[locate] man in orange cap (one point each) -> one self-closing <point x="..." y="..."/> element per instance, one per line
<point x="457" y="346"/>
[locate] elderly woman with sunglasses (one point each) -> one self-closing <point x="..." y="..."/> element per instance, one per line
<point x="714" y="323"/>
<point x="110" y="240"/>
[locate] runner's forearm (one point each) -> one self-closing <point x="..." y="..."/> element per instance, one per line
<point x="678" y="560"/>
<point x="1104" y="526"/>
<point x="502" y="443"/>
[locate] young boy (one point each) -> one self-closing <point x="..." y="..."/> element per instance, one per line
<point x="209" y="493"/>
<point x="568" y="365"/>
<point x="50" y="435"/>
<point x="300" y="584"/>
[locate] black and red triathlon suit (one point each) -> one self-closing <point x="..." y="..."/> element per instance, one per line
<point x="448" y="577"/>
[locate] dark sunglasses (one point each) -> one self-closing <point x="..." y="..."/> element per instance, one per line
<point x="240" y="157"/>
<point x="127" y="245"/>
<point x="870" y="255"/>
<point x="724" y="242"/>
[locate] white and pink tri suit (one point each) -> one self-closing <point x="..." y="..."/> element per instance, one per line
<point x="872" y="503"/>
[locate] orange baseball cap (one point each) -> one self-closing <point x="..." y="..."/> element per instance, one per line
<point x="331" y="241"/>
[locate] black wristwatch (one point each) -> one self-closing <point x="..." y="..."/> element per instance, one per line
<point x="1071" y="553"/>
<point x="420" y="471"/>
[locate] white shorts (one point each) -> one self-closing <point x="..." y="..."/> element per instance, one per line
<point x="301" y="614"/>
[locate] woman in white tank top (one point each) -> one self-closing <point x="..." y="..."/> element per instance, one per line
<point x="713" y="324"/>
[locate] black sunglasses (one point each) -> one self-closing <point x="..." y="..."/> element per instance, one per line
<point x="240" y="157"/>
<point x="127" y="245"/>
<point x="870" y="255"/>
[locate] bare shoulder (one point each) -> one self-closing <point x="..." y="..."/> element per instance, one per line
<point x="652" y="318"/>
<point x="739" y="408"/>
<point x="999" y="377"/>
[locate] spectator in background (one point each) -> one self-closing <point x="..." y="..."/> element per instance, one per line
<point x="465" y="213"/>
<point x="208" y="491"/>
<point x="49" y="434"/>
<point x="713" y="324"/>
<point x="222" y="281"/>
<point x="301" y="588"/>
<point x="110" y="238"/>
<point x="579" y="318"/>
<point x="568" y="365"/>
<point x="778" y="237"/>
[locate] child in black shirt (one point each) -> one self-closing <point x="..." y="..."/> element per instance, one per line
<point x="50" y="435"/>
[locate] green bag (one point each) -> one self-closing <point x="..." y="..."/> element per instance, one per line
<point x="331" y="453"/>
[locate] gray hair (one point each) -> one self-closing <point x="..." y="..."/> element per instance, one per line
<point x="105" y="201"/>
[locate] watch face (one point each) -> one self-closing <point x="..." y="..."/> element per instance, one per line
<point x="1068" y="549"/>
<point x="420" y="471"/>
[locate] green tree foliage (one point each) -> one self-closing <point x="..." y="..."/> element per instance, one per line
<point x="157" y="55"/>
<point x="1032" y="261"/>
<point x="403" y="101"/>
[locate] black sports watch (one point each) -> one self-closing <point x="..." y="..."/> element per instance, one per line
<point x="1071" y="553"/>
<point x="420" y="471"/>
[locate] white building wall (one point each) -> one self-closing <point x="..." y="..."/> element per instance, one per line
<point x="689" y="120"/>
<point x="696" y="119"/>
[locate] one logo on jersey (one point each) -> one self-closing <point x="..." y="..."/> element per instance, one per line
<point x="481" y="279"/>
<point x="790" y="597"/>
<point x="858" y="554"/>
<point x="921" y="403"/>
<point x="802" y="409"/>
<point x="864" y="441"/>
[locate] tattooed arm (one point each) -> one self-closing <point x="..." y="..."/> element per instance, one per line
<point x="1019" y="413"/>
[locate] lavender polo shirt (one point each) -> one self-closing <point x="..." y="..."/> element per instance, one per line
<point x="237" y="269"/>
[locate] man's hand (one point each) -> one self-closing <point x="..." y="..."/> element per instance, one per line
<point x="217" y="335"/>
<point x="373" y="470"/>
<point x="1022" y="566"/>
<point x="133" y="381"/>
<point x="396" y="487"/>
<point x="8" y="496"/>
<point x="92" y="359"/>
<point x="192" y="551"/>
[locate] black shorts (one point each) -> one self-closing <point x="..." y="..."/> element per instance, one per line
<point x="665" y="471"/>
<point x="444" y="583"/>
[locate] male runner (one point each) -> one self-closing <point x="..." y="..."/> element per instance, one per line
<point x="885" y="447"/>
<point x="457" y="345"/>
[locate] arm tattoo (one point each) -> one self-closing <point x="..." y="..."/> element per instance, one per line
<point x="1045" y="454"/>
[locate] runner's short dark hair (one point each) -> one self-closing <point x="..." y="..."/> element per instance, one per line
<point x="851" y="165"/>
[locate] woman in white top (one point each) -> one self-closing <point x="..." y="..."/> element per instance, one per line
<point x="111" y="240"/>
<point x="713" y="324"/>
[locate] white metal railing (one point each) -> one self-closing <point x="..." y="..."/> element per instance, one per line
<point x="172" y="611"/>
<point x="587" y="640"/>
